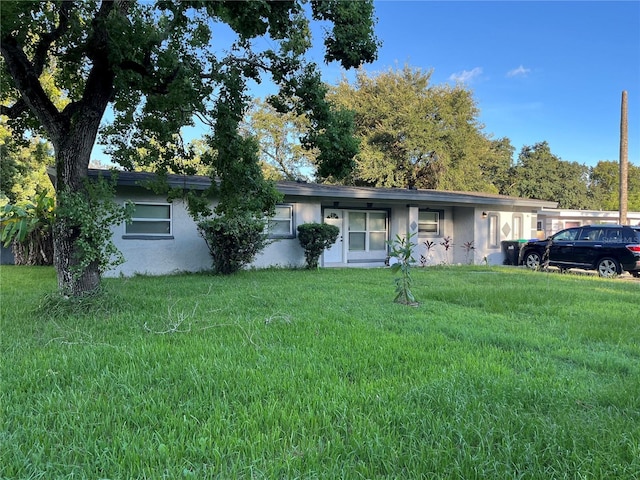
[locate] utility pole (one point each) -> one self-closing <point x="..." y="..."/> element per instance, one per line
<point x="624" y="160"/>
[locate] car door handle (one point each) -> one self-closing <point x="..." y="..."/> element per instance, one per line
<point x="598" y="245"/>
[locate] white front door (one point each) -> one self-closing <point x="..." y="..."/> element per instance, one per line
<point x="335" y="253"/>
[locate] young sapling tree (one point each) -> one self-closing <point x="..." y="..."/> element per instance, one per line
<point x="402" y="250"/>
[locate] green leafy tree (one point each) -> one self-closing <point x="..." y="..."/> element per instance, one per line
<point x="156" y="65"/>
<point x="234" y="240"/>
<point x="282" y="155"/>
<point x="24" y="168"/>
<point x="496" y="163"/>
<point x="542" y="175"/>
<point x="24" y="161"/>
<point x="605" y="186"/>
<point x="414" y="134"/>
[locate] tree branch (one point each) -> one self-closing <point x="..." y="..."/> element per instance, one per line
<point x="97" y="45"/>
<point x="15" y="110"/>
<point x="42" y="49"/>
<point x="27" y="82"/>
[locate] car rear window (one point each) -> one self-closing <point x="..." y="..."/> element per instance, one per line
<point x="614" y="235"/>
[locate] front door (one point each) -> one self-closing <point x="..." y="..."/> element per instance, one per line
<point x="335" y="253"/>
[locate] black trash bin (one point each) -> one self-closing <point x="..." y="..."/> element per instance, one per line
<point x="511" y="251"/>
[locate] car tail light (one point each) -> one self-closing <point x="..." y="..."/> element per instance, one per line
<point x="634" y="248"/>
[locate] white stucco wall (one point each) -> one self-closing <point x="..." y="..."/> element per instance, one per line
<point x="287" y="252"/>
<point x="464" y="220"/>
<point x="466" y="224"/>
<point x="507" y="230"/>
<point x="186" y="251"/>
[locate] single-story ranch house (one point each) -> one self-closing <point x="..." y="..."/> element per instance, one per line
<point x="163" y="238"/>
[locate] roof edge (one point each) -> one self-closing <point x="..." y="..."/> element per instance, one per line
<point x="308" y="189"/>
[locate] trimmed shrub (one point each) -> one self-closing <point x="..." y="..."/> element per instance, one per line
<point x="233" y="240"/>
<point x="315" y="238"/>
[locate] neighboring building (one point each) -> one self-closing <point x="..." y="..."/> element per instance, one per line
<point x="552" y="220"/>
<point x="163" y="238"/>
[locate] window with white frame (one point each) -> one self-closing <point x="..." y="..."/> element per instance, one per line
<point x="494" y="230"/>
<point x="153" y="219"/>
<point x="517" y="226"/>
<point x="367" y="231"/>
<point x="429" y="223"/>
<point x="281" y="224"/>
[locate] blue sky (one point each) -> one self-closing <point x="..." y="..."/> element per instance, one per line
<point x="539" y="70"/>
<point x="549" y="71"/>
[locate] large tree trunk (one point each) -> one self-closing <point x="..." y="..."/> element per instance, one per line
<point x="73" y="152"/>
<point x="73" y="130"/>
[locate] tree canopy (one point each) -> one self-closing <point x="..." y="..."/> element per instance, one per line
<point x="414" y="134"/>
<point x="605" y="185"/>
<point x="24" y="168"/>
<point x="282" y="155"/>
<point x="157" y="66"/>
<point x="540" y="174"/>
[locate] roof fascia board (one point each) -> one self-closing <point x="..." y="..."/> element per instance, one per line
<point x="338" y="192"/>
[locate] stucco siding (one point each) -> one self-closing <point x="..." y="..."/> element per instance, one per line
<point x="287" y="252"/>
<point x="485" y="219"/>
<point x="464" y="220"/>
<point x="184" y="251"/>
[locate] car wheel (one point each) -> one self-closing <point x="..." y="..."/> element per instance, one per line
<point x="532" y="260"/>
<point x="608" y="267"/>
<point x="635" y="273"/>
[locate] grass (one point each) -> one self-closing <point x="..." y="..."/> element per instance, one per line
<point x="498" y="373"/>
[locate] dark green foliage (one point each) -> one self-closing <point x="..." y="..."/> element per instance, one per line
<point x="160" y="65"/>
<point x="351" y="41"/>
<point x="315" y="238"/>
<point x="236" y="162"/>
<point x="413" y="134"/>
<point x="234" y="240"/>
<point x="605" y="186"/>
<point x="331" y="126"/>
<point x="89" y="215"/>
<point x="542" y="175"/>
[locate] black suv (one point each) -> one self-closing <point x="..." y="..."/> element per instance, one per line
<point x="609" y="249"/>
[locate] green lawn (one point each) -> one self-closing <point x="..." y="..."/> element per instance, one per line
<point x="498" y="373"/>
